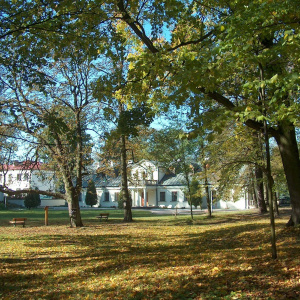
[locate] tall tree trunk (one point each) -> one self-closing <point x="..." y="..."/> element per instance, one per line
<point x="275" y="198"/>
<point x="74" y="213"/>
<point x="255" y="196"/>
<point x="208" y="198"/>
<point x="270" y="192"/>
<point x="191" y="208"/>
<point x="259" y="188"/>
<point x="74" y="208"/>
<point x="287" y="143"/>
<point x="125" y="193"/>
<point x="276" y="204"/>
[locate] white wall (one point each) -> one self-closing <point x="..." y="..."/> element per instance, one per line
<point x="53" y="202"/>
<point x="240" y="204"/>
<point x="145" y="170"/>
<point x="112" y="197"/>
<point x="44" y="202"/>
<point x="168" y="197"/>
<point x="24" y="179"/>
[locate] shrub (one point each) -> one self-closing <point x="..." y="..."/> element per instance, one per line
<point x="91" y="194"/>
<point x="32" y="200"/>
<point x="120" y="202"/>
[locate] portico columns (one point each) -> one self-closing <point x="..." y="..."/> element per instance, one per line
<point x="145" y="197"/>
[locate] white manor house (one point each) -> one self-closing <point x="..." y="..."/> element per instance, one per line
<point x="150" y="185"/>
<point x="25" y="175"/>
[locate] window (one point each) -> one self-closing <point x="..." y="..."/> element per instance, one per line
<point x="106" y="196"/>
<point x="162" y="196"/>
<point x="10" y="178"/>
<point x="19" y="177"/>
<point x="174" y="196"/>
<point x="26" y="177"/>
<point x="1" y="178"/>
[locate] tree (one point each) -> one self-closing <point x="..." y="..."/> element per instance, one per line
<point x="174" y="151"/>
<point x="214" y="51"/>
<point x="35" y="38"/>
<point x="32" y="200"/>
<point x="196" y="193"/>
<point x="54" y="126"/>
<point x="125" y="112"/>
<point x="237" y="159"/>
<point x="91" y="194"/>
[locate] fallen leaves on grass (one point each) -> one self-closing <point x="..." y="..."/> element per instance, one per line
<point x="145" y="260"/>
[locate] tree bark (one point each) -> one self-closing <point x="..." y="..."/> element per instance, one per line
<point x="259" y="187"/>
<point x="255" y="195"/>
<point x="208" y="199"/>
<point x="287" y="143"/>
<point x="275" y="198"/>
<point x="72" y="198"/>
<point x="125" y="193"/>
<point x="74" y="213"/>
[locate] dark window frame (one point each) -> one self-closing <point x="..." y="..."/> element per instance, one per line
<point x="106" y="196"/>
<point x="164" y="197"/>
<point x="174" y="196"/>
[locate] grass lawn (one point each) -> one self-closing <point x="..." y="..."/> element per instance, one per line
<point x="155" y="257"/>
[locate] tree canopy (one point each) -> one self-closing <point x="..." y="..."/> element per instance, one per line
<point x="235" y="60"/>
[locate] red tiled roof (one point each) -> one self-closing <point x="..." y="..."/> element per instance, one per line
<point x="25" y="165"/>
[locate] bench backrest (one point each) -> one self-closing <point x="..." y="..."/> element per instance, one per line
<point x="19" y="219"/>
<point x="103" y="214"/>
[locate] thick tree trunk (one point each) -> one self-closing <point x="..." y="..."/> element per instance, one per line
<point x="255" y="196"/>
<point x="286" y="140"/>
<point x="259" y="188"/>
<point x="74" y="212"/>
<point x="125" y="193"/>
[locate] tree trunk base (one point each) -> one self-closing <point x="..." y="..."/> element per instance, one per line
<point x="290" y="223"/>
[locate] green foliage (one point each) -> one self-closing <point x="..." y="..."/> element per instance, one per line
<point x="196" y="193"/>
<point x="130" y="119"/>
<point x="170" y="147"/>
<point x="91" y="194"/>
<point x="121" y="201"/>
<point x="32" y="200"/>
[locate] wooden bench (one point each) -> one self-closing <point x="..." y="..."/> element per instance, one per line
<point x="103" y="216"/>
<point x="17" y="221"/>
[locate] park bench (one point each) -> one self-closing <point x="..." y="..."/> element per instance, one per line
<point x="103" y="216"/>
<point x="16" y="221"/>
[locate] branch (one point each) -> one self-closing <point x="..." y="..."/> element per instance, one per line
<point x="140" y="32"/>
<point x="132" y="24"/>
<point x="8" y="191"/>
<point x="230" y="106"/>
<point x="201" y="39"/>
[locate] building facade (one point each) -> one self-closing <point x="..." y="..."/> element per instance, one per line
<point x="28" y="175"/>
<point x="151" y="185"/>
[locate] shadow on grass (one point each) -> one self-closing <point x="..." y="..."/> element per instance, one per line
<point x="225" y="260"/>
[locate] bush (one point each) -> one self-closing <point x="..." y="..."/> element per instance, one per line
<point x="32" y="200"/>
<point x="91" y="194"/>
<point x="121" y="203"/>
